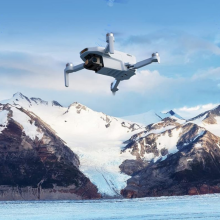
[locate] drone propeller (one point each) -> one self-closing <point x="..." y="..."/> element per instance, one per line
<point x="110" y="40"/>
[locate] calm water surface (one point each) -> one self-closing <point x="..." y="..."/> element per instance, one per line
<point x="184" y="207"/>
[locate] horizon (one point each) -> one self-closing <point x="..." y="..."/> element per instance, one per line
<point x="34" y="50"/>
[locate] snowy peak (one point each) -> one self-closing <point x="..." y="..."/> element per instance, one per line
<point x="25" y="102"/>
<point x="76" y="106"/>
<point x="39" y="101"/>
<point x="170" y="114"/>
<point x="19" y="96"/>
<point x="55" y="103"/>
<point x="209" y="120"/>
<point x="208" y="116"/>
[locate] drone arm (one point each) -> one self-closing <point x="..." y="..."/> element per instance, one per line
<point x="66" y="78"/>
<point x="70" y="69"/>
<point x="110" y="43"/>
<point x="155" y="58"/>
<point x="142" y="63"/>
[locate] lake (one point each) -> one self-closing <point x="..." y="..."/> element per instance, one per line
<point x="183" y="207"/>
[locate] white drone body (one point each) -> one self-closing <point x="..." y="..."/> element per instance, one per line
<point x="109" y="62"/>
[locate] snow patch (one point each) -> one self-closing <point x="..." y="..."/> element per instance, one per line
<point x="213" y="128"/>
<point x="28" y="126"/>
<point x="148" y="156"/>
<point x="167" y="142"/>
<point x="198" y="145"/>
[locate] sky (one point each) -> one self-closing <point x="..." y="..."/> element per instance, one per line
<point x="38" y="37"/>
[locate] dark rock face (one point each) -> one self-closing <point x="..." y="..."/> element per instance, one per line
<point x="131" y="167"/>
<point x="46" y="165"/>
<point x="194" y="169"/>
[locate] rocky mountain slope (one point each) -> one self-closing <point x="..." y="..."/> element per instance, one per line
<point x="175" y="158"/>
<point x="35" y="163"/>
<point x="95" y="137"/>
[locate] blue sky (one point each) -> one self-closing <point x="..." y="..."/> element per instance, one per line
<point x="38" y="37"/>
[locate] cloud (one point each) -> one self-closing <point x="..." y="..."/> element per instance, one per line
<point x="175" y="47"/>
<point x="211" y="73"/>
<point x="111" y="2"/>
<point x="145" y="81"/>
<point x="146" y="90"/>
<point x="35" y="71"/>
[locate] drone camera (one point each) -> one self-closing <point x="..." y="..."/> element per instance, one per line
<point x="93" y="62"/>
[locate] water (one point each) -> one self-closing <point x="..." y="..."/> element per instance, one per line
<point x="184" y="207"/>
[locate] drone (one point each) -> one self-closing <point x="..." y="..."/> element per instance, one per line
<point x="109" y="62"/>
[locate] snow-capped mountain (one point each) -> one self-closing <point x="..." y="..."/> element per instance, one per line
<point x="115" y="154"/>
<point x="35" y="163"/>
<point x="94" y="136"/>
<point x="175" y="157"/>
<point x="180" y="161"/>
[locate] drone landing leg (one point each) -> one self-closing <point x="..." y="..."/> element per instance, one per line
<point x="114" y="86"/>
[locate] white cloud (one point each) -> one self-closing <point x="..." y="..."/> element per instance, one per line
<point x="145" y="81"/>
<point x="211" y="73"/>
<point x="33" y="71"/>
<point x="175" y="47"/>
<point x="110" y="3"/>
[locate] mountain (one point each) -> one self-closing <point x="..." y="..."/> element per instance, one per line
<point x="95" y="137"/>
<point x="209" y="120"/>
<point x="35" y="163"/>
<point x="170" y="156"/>
<point x="170" y="114"/>
<point x="180" y="161"/>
